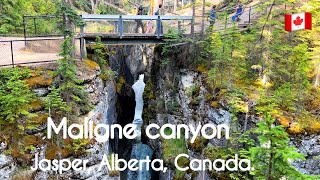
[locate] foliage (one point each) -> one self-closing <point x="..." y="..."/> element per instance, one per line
<point x="12" y="12"/>
<point x="227" y="58"/>
<point x="171" y="48"/>
<point x="105" y="9"/>
<point x="272" y="156"/>
<point x="55" y="104"/>
<point x="172" y="148"/>
<point x="100" y="54"/>
<point x="83" y="5"/>
<point x="69" y="85"/>
<point x="15" y="96"/>
<point x="69" y="19"/>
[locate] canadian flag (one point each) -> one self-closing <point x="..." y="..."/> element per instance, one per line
<point x="298" y="21"/>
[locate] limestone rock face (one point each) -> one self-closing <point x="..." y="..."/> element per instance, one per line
<point x="7" y="167"/>
<point x="219" y="116"/>
<point x="310" y="146"/>
<point x="41" y="92"/>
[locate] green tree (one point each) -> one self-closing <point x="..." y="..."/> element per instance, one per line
<point x="15" y="98"/>
<point x="55" y="104"/>
<point x="12" y="11"/>
<point x="15" y="95"/>
<point x="228" y="55"/>
<point x="68" y="84"/>
<point x="271" y="157"/>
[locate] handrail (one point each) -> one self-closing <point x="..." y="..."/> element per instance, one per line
<point x="42" y="39"/>
<point x="97" y="17"/>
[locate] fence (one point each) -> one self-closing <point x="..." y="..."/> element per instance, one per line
<point x="31" y="51"/>
<point x="132" y="25"/>
<point x="41" y="26"/>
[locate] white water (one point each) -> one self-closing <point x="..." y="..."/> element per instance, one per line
<point x="138" y="88"/>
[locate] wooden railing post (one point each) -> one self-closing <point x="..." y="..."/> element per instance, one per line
<point x="158" y="27"/>
<point x="179" y="26"/>
<point x="120" y="26"/>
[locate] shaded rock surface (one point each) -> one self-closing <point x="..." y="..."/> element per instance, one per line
<point x="7" y="167"/>
<point x="310" y="146"/>
<point x="140" y="152"/>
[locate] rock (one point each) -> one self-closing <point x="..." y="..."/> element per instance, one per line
<point x="86" y="73"/>
<point x="41" y="92"/>
<point x="187" y="79"/>
<point x="7" y="167"/>
<point x="168" y="175"/>
<point x="310" y="146"/>
<point x="140" y="152"/>
<point x="219" y="116"/>
<point x="91" y="173"/>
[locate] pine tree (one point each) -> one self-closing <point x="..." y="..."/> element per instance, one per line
<point x="69" y="86"/>
<point x="271" y="158"/>
<point x="15" y="95"/>
<point x="55" y="104"/>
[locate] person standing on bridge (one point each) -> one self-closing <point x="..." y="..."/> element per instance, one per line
<point x="139" y="21"/>
<point x="159" y="12"/>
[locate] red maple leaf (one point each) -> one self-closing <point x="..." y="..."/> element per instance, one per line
<point x="298" y="21"/>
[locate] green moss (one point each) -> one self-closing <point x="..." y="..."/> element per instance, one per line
<point x="36" y="105"/>
<point x="172" y="148"/>
<point x="202" y="68"/>
<point x="91" y="64"/>
<point x="40" y="79"/>
<point x="193" y="91"/>
<point x="31" y="140"/>
<point x="199" y="144"/>
<point x="120" y="84"/>
<point x="179" y="175"/>
<point x="38" y="119"/>
<point x="106" y="75"/>
<point x="148" y="93"/>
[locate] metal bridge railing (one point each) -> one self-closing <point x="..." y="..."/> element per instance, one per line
<point x="126" y="25"/>
<point x="31" y="51"/>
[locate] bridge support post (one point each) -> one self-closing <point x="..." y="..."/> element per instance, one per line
<point x="158" y="27"/>
<point x="179" y="27"/>
<point x="82" y="46"/>
<point x="120" y="26"/>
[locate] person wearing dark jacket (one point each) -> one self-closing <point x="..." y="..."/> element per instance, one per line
<point x="159" y="12"/>
<point x="139" y="21"/>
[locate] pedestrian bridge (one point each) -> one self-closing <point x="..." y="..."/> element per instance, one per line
<point x="122" y="29"/>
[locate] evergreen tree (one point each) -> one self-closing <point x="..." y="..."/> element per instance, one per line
<point x="55" y="104"/>
<point x="69" y="86"/>
<point x="15" y="95"/>
<point x="15" y="98"/>
<point x="271" y="158"/>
